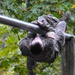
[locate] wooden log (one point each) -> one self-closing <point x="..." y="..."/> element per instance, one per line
<point x="68" y="57"/>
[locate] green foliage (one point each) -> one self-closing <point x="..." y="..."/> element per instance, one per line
<point x="11" y="60"/>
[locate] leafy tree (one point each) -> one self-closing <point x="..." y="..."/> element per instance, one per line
<point x="11" y="60"/>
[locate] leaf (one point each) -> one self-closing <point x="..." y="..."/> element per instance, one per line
<point x="73" y="5"/>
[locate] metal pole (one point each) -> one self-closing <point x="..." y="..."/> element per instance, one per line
<point x="20" y="24"/>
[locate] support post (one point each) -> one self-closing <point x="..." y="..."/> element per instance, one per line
<point x="68" y="58"/>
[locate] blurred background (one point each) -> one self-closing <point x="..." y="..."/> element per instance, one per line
<point x="11" y="60"/>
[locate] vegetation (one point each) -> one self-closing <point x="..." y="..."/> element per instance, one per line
<point x="11" y="60"/>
